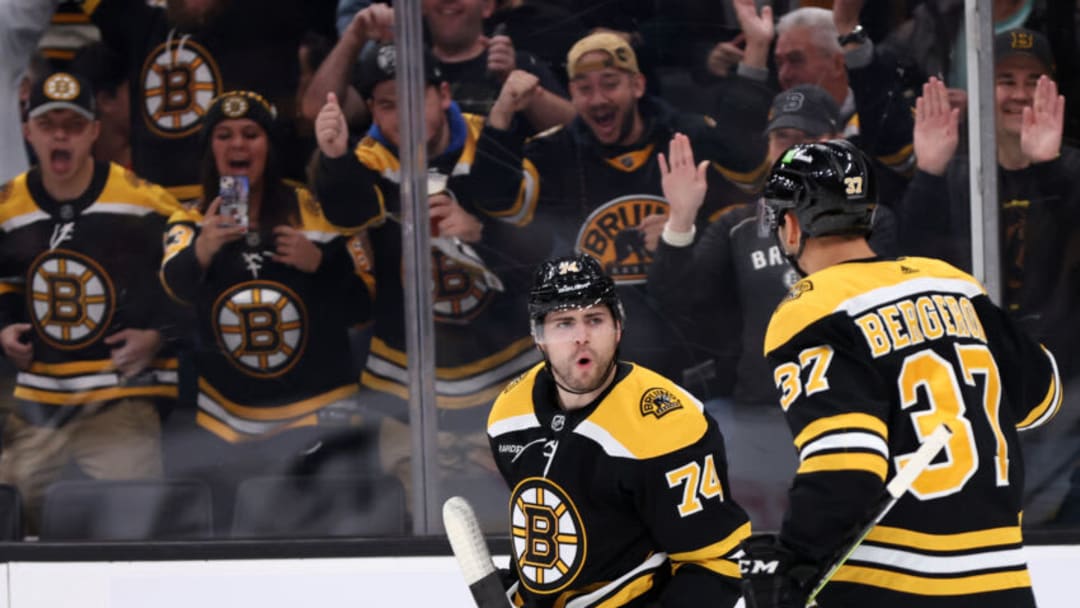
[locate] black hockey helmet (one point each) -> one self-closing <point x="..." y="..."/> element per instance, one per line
<point x="827" y="185"/>
<point x="575" y="281"/>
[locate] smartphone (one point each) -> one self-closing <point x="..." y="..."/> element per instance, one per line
<point x="233" y="190"/>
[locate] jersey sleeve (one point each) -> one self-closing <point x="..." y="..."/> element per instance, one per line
<point x="180" y="271"/>
<point x="687" y="505"/>
<point x="349" y="192"/>
<point x="833" y="402"/>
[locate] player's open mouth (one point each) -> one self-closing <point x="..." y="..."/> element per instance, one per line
<point x="584" y="361"/>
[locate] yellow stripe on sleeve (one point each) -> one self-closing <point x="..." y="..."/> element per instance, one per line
<point x="864" y="422"/>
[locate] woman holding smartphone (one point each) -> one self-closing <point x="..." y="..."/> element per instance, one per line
<point x="274" y="288"/>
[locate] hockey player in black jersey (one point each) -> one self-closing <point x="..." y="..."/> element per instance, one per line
<point x="84" y="319"/>
<point x="619" y="490"/>
<point x="869" y="356"/>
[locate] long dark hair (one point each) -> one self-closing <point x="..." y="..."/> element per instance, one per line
<point x="279" y="205"/>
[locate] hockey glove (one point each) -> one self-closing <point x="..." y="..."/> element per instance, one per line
<point x="772" y="575"/>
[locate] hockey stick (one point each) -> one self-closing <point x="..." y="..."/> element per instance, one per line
<point x="472" y="554"/>
<point x="896" y="488"/>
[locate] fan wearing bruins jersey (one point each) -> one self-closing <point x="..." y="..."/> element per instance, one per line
<point x="618" y="479"/>
<point x="871" y="355"/>
<point x="594" y="185"/>
<point x="274" y="289"/>
<point x="182" y="54"/>
<point x="479" y="264"/>
<point x="84" y="318"/>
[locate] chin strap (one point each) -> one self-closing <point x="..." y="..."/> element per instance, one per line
<point x="792" y="259"/>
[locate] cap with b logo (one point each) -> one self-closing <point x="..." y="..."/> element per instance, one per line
<point x="62" y="91"/>
<point x="620" y="54"/>
<point x="1022" y="41"/>
<point x="379" y="63"/>
<point x="805" y="107"/>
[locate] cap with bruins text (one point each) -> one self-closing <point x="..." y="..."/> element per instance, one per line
<point x="1022" y="41"/>
<point x="62" y="91"/>
<point x="378" y="63"/>
<point x="621" y="54"/>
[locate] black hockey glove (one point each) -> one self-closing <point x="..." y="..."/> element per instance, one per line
<point x="772" y="575"/>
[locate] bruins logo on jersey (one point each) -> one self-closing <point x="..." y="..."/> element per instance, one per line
<point x="610" y="234"/>
<point x="179" y="81"/>
<point x="798" y="289"/>
<point x="659" y="402"/>
<point x="460" y="293"/>
<point x="548" y="535"/>
<point x="71" y="299"/>
<point x="262" y="327"/>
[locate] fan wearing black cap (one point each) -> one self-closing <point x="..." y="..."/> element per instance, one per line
<point x="618" y="477"/>
<point x="722" y="284"/>
<point x="480" y="264"/>
<point x="273" y="290"/>
<point x="84" y="317"/>
<point x="1039" y="204"/>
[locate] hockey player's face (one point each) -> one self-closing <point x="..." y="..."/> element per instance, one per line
<point x="240" y="148"/>
<point x="384" y="113"/>
<point x="606" y="100"/>
<point x="580" y="344"/>
<point x="1015" y="78"/>
<point x="62" y="141"/>
<point x="456" y="24"/>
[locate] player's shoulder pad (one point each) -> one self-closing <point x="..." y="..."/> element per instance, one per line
<point x="645" y="416"/>
<point x="513" y="408"/>
<point x="851" y="288"/>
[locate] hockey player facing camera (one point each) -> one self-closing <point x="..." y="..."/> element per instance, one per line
<point x="870" y="355"/>
<point x="619" y="489"/>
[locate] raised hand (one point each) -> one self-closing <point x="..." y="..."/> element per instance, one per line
<point x="758" y="28"/>
<point x="215" y="230"/>
<point x="501" y="59"/>
<point x="936" y="133"/>
<point x="293" y="248"/>
<point x="684" y="183"/>
<point x="1043" y="122"/>
<point x="846" y="15"/>
<point x="725" y="55"/>
<point x="376" y="22"/>
<point x="518" y="92"/>
<point x="331" y="129"/>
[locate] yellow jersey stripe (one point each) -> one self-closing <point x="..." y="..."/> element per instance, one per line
<point x="717" y="549"/>
<point x="921" y="585"/>
<point x="88" y="367"/>
<point x="284" y="412"/>
<point x="871" y="463"/>
<point x="853" y="421"/>
<point x="229" y="434"/>
<point x="635" y="588"/>
<point x="445" y="402"/>
<point x="1052" y="400"/>
<point x="740" y="178"/>
<point x="961" y="541"/>
<point x="104" y="394"/>
<point x="6" y="288"/>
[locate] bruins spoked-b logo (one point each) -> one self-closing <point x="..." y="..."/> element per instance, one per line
<point x="548" y="535"/>
<point x="262" y="327"/>
<point x="71" y="299"/>
<point x="179" y="81"/>
<point x="611" y="235"/>
<point x="658" y="402"/>
<point x="460" y="293"/>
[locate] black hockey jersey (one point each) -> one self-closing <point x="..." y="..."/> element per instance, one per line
<point x="177" y="71"/>
<point x="79" y="271"/>
<point x="621" y="503"/>
<point x="590" y="198"/>
<point x="869" y="358"/>
<point x="273" y="349"/>
<point x="482" y="336"/>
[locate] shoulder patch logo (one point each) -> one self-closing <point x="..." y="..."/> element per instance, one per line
<point x="659" y="402"/>
<point x="516" y="381"/>
<point x="798" y="289"/>
<point x="908" y="269"/>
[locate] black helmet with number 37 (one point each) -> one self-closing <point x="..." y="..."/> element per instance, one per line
<point x="567" y="282"/>
<point x="827" y="185"/>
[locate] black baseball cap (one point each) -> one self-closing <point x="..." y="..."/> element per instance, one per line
<point x="1022" y="41"/>
<point x="62" y="91"/>
<point x="806" y="107"/>
<point x="378" y="63"/>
